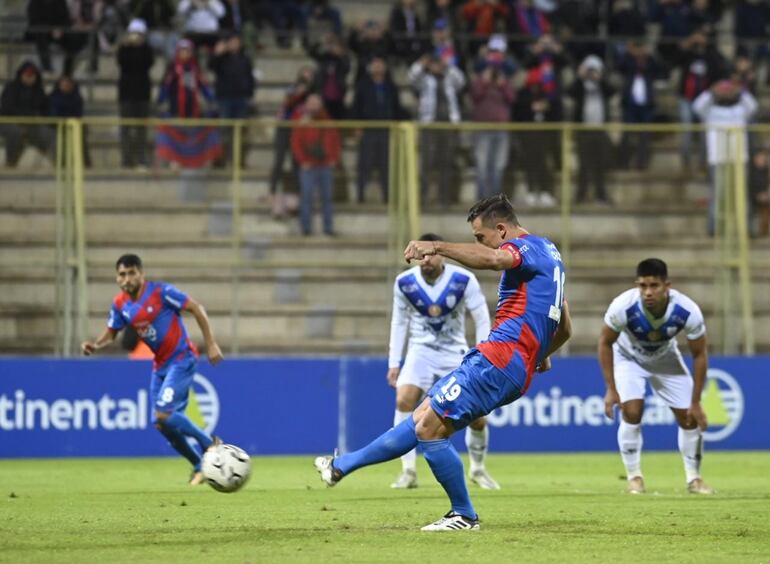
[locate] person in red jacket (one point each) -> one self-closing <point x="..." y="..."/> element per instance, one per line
<point x="317" y="150"/>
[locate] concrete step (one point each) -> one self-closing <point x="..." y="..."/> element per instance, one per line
<point x="369" y="327"/>
<point x="179" y="225"/>
<point x="293" y="287"/>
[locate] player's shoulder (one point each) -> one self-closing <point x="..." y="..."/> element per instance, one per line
<point x="625" y="299"/>
<point x="454" y="269"/>
<point x="683" y="300"/>
<point x="409" y="276"/>
<point x="120" y="299"/>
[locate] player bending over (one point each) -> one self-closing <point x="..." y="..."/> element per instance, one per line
<point x="637" y="345"/>
<point x="429" y="303"/>
<point x="531" y="322"/>
<point x="154" y="310"/>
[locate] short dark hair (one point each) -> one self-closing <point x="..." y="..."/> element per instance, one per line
<point x="128" y="261"/>
<point x="430" y="237"/>
<point x="652" y="267"/>
<point x="493" y="209"/>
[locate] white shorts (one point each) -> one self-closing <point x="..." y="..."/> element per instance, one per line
<point x="424" y="365"/>
<point x="674" y="389"/>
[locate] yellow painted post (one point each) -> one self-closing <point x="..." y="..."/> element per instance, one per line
<point x="403" y="189"/>
<point x="76" y="146"/>
<point x="61" y="266"/>
<point x="566" y="194"/>
<point x="69" y="237"/>
<point x="236" y="240"/>
<point x="741" y="222"/>
<point x="412" y="179"/>
<point x="393" y="195"/>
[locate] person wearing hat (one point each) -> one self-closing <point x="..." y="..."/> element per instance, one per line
<point x="492" y="95"/>
<point x="135" y="59"/>
<point x="24" y="96"/>
<point x="443" y="45"/>
<point x="591" y="93"/>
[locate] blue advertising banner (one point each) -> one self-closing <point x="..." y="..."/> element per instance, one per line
<point x="101" y="407"/>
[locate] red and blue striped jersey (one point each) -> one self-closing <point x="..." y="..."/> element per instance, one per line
<point x="157" y="318"/>
<point x="530" y="301"/>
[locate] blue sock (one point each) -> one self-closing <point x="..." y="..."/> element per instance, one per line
<point x="181" y="423"/>
<point x="448" y="469"/>
<point x="394" y="443"/>
<point x="180" y="444"/>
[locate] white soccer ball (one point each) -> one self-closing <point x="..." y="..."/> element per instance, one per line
<point x="226" y="468"/>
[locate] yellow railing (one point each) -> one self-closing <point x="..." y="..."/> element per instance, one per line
<point x="730" y="263"/>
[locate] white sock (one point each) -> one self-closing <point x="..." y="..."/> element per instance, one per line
<point x="691" y="446"/>
<point x="630" y="443"/>
<point x="409" y="460"/>
<point x="477" y="443"/>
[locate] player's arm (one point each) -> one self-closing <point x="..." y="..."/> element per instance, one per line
<point x="399" y="323"/>
<point x="700" y="361"/>
<point x="606" y="339"/>
<point x="471" y="255"/>
<point x="90" y="347"/>
<point x="561" y="335"/>
<point x="213" y="351"/>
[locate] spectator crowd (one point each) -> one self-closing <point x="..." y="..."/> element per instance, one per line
<point x="484" y="61"/>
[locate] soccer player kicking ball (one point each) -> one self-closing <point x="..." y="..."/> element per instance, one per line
<point x="638" y="344"/>
<point x="154" y="310"/>
<point x="531" y="322"/>
<point x="429" y="303"/>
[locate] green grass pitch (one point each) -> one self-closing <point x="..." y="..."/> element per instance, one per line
<point x="552" y="508"/>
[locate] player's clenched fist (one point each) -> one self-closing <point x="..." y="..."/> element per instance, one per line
<point x="418" y="250"/>
<point x="87" y="348"/>
<point x="214" y="353"/>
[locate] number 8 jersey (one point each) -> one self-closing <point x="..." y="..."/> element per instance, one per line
<point x="530" y="300"/>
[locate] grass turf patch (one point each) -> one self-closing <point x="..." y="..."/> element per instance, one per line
<point x="552" y="508"/>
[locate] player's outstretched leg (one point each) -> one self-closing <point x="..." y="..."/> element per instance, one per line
<point x="477" y="442"/>
<point x="691" y="446"/>
<point x="408" y="477"/>
<point x="391" y="444"/>
<point x="433" y="434"/>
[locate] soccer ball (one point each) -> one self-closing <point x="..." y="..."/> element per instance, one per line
<point x="226" y="468"/>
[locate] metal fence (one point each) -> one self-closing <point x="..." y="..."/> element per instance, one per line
<point x="428" y="166"/>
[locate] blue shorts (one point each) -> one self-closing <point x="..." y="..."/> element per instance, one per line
<point x="170" y="386"/>
<point x="474" y="389"/>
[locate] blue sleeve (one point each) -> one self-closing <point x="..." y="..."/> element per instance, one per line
<point x="174" y="298"/>
<point x="116" y="321"/>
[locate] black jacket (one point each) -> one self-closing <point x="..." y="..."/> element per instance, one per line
<point x="409" y="47"/>
<point x="66" y="104"/>
<point x="235" y="76"/>
<point x="135" y="62"/>
<point x="20" y="100"/>
<point x="48" y="13"/>
<point x="629" y="66"/>
<point x="157" y="14"/>
<point x="373" y="102"/>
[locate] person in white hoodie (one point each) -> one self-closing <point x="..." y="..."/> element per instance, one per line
<point x="723" y="108"/>
<point x="438" y="85"/>
<point x="201" y="20"/>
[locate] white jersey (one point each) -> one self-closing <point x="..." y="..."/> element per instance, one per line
<point x="647" y="340"/>
<point x="434" y="314"/>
